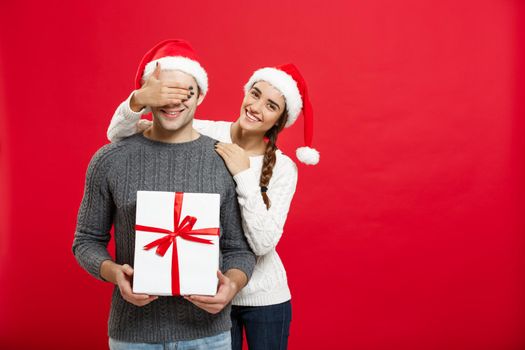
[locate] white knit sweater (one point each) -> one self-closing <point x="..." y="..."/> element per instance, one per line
<point x="263" y="228"/>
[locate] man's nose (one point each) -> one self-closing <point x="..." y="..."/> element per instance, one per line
<point x="175" y="103"/>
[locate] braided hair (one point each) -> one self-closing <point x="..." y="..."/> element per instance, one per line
<point x="269" y="156"/>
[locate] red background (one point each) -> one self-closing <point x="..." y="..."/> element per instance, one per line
<point x="407" y="235"/>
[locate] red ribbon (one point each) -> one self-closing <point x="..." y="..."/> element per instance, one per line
<point x="182" y="229"/>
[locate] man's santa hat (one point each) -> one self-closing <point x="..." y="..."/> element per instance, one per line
<point x="289" y="81"/>
<point x="173" y="54"/>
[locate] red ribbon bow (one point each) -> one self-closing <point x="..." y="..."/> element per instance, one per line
<point x="182" y="229"/>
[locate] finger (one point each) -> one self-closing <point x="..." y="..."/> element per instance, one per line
<point x="156" y="72"/>
<point x="175" y="102"/>
<point x="125" y="288"/>
<point x="237" y="151"/>
<point x="177" y="84"/>
<point x="236" y="147"/>
<point x="136" y="297"/>
<point x="217" y="299"/>
<point x="167" y="86"/>
<point x="170" y="101"/>
<point x="222" y="279"/>
<point x="171" y="90"/>
<point x="165" y="101"/>
<point x="176" y="96"/>
<point x="228" y="151"/>
<point x="143" y="124"/>
<point x="141" y="298"/>
<point x="198" y="303"/>
<point x="128" y="270"/>
<point x="224" y="148"/>
<point x="207" y="308"/>
<point x="228" y="146"/>
<point x="141" y="302"/>
<point x="223" y="155"/>
<point x="223" y="145"/>
<point x="180" y="97"/>
<point x="151" y="299"/>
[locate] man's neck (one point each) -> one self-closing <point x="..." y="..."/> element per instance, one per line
<point x="252" y="143"/>
<point x="184" y="134"/>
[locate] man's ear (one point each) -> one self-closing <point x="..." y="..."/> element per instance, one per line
<point x="200" y="99"/>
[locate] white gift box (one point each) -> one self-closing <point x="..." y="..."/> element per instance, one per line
<point x="193" y="267"/>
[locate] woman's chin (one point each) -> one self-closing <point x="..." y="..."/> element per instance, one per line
<point x="247" y="125"/>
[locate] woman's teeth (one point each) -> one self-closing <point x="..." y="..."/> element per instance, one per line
<point x="251" y="117"/>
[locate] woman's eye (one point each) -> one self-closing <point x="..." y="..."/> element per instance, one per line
<point x="271" y="107"/>
<point x="254" y="94"/>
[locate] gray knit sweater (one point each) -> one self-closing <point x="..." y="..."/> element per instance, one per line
<point x="115" y="174"/>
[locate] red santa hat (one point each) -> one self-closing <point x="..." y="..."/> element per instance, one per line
<point x="288" y="80"/>
<point x="173" y="54"/>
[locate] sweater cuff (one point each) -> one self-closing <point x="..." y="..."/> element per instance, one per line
<point x="92" y="261"/>
<point x="128" y="113"/>
<point x="247" y="183"/>
<point x="244" y="262"/>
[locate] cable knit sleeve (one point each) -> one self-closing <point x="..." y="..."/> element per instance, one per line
<point x="95" y="216"/>
<point x="264" y="227"/>
<point x="124" y="121"/>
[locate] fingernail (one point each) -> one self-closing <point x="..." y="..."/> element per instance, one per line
<point x="189" y="96"/>
<point x="191" y="87"/>
<point x="192" y="93"/>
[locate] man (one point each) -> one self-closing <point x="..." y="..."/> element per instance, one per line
<point x="171" y="156"/>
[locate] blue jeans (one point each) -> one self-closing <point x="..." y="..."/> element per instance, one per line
<point x="221" y="341"/>
<point x="266" y="327"/>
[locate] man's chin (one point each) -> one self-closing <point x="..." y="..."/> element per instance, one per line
<point x="172" y="127"/>
<point x="172" y="124"/>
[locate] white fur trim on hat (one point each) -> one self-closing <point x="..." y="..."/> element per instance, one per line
<point x="285" y="84"/>
<point x="307" y="155"/>
<point x="183" y="64"/>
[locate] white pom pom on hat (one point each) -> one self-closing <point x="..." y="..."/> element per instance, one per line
<point x="307" y="155"/>
<point x="288" y="80"/>
<point x="173" y="54"/>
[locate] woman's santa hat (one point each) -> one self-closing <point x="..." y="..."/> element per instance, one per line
<point x="289" y="81"/>
<point x="172" y="54"/>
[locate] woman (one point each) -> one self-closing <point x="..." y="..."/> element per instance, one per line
<point x="265" y="178"/>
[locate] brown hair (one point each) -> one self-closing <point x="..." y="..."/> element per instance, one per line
<point x="269" y="156"/>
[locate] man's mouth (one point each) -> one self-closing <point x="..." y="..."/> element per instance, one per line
<point x="252" y="117"/>
<point x="171" y="113"/>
